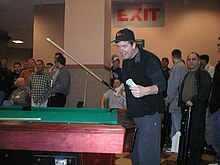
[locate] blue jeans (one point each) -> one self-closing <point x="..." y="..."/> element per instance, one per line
<point x="176" y="117"/>
<point x="215" y="119"/>
<point x="208" y="127"/>
<point x="146" y="149"/>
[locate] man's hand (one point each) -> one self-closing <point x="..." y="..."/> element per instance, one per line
<point x="140" y="91"/>
<point x="189" y="103"/>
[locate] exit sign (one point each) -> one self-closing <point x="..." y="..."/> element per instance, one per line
<point x="138" y="15"/>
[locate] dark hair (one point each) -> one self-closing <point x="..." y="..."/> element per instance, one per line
<point x="17" y="63"/>
<point x="58" y="54"/>
<point x="198" y="56"/>
<point x="176" y="53"/>
<point x="61" y="60"/>
<point x="41" y="61"/>
<point x="6" y="58"/>
<point x="131" y="42"/>
<point x="118" y="80"/>
<point x="165" y="58"/>
<point x="205" y="57"/>
<point x="49" y="63"/>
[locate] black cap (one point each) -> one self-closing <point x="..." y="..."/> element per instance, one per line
<point x="124" y="35"/>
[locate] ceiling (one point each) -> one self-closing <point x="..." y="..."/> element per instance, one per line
<point x="16" y="18"/>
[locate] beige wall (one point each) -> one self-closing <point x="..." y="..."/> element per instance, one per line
<point x="190" y="27"/>
<point x="91" y="89"/>
<point x="48" y="22"/>
<point x="87" y="28"/>
<point x="86" y="39"/>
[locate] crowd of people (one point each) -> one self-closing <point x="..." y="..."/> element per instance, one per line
<point x="35" y="84"/>
<point x="190" y="84"/>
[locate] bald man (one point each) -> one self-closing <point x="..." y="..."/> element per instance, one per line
<point x="20" y="96"/>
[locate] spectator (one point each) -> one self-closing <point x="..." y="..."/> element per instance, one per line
<point x="165" y="115"/>
<point x="113" y="100"/>
<point x="6" y="80"/>
<point x="25" y="65"/>
<point x="116" y="71"/>
<point x="17" y="70"/>
<point x="31" y="68"/>
<point x="195" y="93"/>
<point x="39" y="86"/>
<point x="177" y="74"/>
<point x="48" y="67"/>
<point x="165" y="71"/>
<point x="165" y="67"/>
<point x="204" y="62"/>
<point x="215" y="110"/>
<point x="54" y="70"/>
<point x="61" y="85"/>
<point x="20" y="96"/>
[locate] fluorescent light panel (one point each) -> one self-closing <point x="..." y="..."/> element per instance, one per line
<point x="17" y="41"/>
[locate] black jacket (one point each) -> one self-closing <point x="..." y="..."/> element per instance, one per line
<point x="145" y="70"/>
<point x="215" y="94"/>
<point x="203" y="82"/>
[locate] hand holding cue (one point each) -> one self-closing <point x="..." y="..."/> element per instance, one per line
<point x="84" y="67"/>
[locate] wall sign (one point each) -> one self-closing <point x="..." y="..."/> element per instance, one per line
<point x="138" y="15"/>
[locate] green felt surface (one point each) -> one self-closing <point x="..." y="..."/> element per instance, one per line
<point x="67" y="115"/>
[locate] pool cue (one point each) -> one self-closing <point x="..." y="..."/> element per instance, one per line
<point x="85" y="90"/>
<point x="84" y="67"/>
<point x="19" y="119"/>
<point x="184" y="137"/>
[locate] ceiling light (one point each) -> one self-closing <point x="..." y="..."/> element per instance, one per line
<point x="17" y="41"/>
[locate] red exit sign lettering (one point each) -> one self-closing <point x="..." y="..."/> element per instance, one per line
<point x="140" y="15"/>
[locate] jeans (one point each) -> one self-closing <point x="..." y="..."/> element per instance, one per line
<point x="176" y="122"/>
<point x="208" y="129"/>
<point x="215" y="119"/>
<point x="146" y="149"/>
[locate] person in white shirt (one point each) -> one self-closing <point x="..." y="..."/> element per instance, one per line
<point x="114" y="101"/>
<point x="204" y="63"/>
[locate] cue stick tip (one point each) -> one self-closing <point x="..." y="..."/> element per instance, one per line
<point x="48" y="39"/>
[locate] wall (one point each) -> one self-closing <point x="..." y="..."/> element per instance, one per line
<point x="192" y="26"/>
<point x="87" y="27"/>
<point x="84" y="85"/>
<point x="86" y="39"/>
<point x="48" y="22"/>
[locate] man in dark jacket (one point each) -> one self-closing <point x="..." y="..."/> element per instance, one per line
<point x="215" y="108"/>
<point x="144" y="100"/>
<point x="6" y="80"/>
<point x="195" y="93"/>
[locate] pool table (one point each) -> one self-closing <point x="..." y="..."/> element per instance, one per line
<point x="94" y="134"/>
